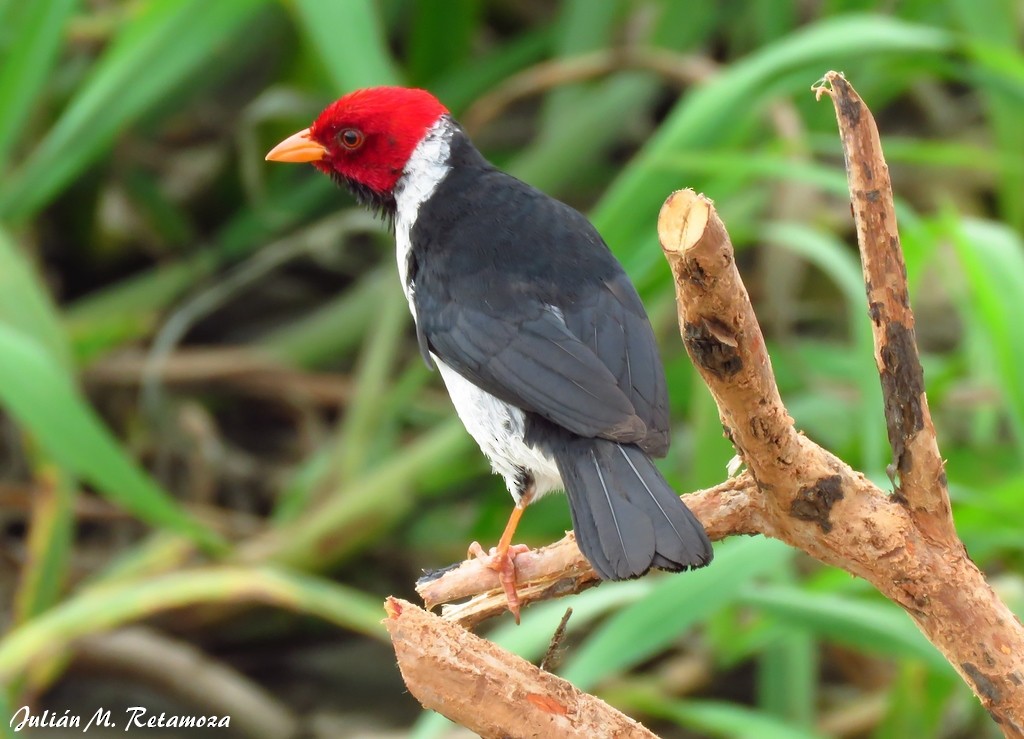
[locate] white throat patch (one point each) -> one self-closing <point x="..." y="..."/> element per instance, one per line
<point x="427" y="166"/>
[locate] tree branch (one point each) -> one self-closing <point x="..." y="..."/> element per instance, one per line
<point x="559" y="569"/>
<point x="489" y="690"/>
<point x="814" y="501"/>
<point x="916" y="460"/>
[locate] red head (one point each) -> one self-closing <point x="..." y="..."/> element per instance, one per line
<point x="366" y="137"/>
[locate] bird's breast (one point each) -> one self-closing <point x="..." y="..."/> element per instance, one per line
<point x="499" y="429"/>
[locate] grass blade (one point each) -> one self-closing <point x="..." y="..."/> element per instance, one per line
<point x="147" y="60"/>
<point x="49" y="544"/>
<point x="25" y="306"/>
<point x="440" y="37"/>
<point x="350" y="516"/>
<point x="37" y="30"/>
<point x="350" y="42"/>
<point x="830" y="256"/>
<point x="41" y="397"/>
<point x="674" y="604"/>
<point x="992" y="256"/>
<point x="719" y="719"/>
<point x="713" y="112"/>
<point x="373" y="375"/>
<point x="102" y="608"/>
<point x="874" y="627"/>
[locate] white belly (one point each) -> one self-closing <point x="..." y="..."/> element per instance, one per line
<point x="498" y="428"/>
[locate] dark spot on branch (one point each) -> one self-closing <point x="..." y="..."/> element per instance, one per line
<point x="875" y="312"/>
<point x="431" y="575"/>
<point x="814" y="503"/>
<point x="761" y="428"/>
<point x="849" y="107"/>
<point x="873" y="196"/>
<point x="982" y="682"/>
<point x="709" y="352"/>
<point x="1016" y="679"/>
<point x="694" y="272"/>
<point x="902" y="388"/>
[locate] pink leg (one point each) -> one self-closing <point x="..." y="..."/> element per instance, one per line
<point x="501" y="558"/>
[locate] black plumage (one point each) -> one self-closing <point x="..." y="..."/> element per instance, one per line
<point x="518" y="293"/>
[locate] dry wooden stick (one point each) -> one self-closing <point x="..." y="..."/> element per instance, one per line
<point x="811" y="499"/>
<point x="489" y="690"/>
<point x="796" y="491"/>
<point x="917" y="464"/>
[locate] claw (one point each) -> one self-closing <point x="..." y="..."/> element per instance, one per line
<point x="502" y="562"/>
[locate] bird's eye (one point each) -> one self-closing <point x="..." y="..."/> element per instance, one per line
<point x="350" y="138"/>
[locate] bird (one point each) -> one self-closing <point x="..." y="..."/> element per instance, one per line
<point x="537" y="332"/>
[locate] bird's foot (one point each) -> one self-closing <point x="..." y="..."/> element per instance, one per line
<point x="502" y="562"/>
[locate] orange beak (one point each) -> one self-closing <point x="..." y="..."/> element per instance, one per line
<point x="298" y="147"/>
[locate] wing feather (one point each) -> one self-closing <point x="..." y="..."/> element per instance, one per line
<point x="517" y="292"/>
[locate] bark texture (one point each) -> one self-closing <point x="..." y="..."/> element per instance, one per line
<point x="491" y="691"/>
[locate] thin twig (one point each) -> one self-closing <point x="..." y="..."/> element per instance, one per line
<point x="552" y="655"/>
<point x="684" y="69"/>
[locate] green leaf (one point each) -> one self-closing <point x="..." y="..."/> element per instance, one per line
<point x="156" y="51"/>
<point x="787" y="667"/>
<point x="103" y="607"/>
<point x="352" y="514"/>
<point x="992" y="256"/>
<point x="441" y="35"/>
<point x="582" y="26"/>
<point x="919" y="703"/>
<point x="828" y="254"/>
<point x="36" y="30"/>
<point x="715" y="110"/>
<point x="42" y="398"/>
<point x="716" y="718"/>
<point x="994" y="41"/>
<point x="371" y="382"/>
<point x="25" y="305"/>
<point x="48" y="547"/>
<point x="674" y="604"/>
<point x="875" y="627"/>
<point x="350" y="42"/>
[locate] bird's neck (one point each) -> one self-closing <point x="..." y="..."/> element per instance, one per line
<point x="427" y="166"/>
<point x="445" y="148"/>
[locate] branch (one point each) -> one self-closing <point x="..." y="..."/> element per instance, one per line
<point x="811" y="499"/>
<point x="559" y="569"/>
<point x="489" y="690"/>
<point x="916" y="460"/>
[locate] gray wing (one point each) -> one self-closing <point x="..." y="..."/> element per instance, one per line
<point x="591" y="367"/>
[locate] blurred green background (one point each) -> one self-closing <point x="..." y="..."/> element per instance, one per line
<point x="221" y="448"/>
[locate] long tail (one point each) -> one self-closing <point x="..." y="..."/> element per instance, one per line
<point x="626" y="517"/>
